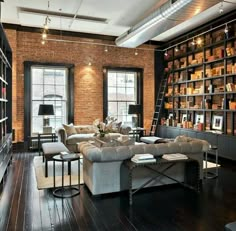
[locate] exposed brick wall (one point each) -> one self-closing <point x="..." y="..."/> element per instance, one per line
<point x="26" y="46"/>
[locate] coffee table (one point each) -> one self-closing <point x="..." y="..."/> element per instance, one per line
<point x="191" y="178"/>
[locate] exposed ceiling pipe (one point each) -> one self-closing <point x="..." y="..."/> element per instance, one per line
<point x="136" y="35"/>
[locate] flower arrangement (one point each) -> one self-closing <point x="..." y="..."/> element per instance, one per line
<point x="104" y="128"/>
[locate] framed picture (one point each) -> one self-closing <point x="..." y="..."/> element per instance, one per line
<point x="217" y="122"/>
<point x="184" y="117"/>
<point x="199" y="118"/>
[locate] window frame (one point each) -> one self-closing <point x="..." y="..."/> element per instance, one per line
<point x="28" y="95"/>
<point x="139" y="89"/>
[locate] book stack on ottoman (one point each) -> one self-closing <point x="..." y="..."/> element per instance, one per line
<point x="143" y="158"/>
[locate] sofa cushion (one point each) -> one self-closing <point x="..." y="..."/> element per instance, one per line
<point x="183" y="139"/>
<point x="85" y="129"/>
<point x="70" y="129"/>
<point x="76" y="138"/>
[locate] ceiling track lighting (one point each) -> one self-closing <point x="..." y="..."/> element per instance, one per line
<point x="199" y="40"/>
<point x="136" y="52"/>
<point x="45" y="27"/>
<point x="106" y="49"/>
<point x="176" y="49"/>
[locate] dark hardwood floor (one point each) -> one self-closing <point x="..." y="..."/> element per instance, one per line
<point x="168" y="208"/>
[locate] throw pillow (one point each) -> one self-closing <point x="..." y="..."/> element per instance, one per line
<point x="183" y="139"/>
<point x="85" y="129"/>
<point x="70" y="129"/>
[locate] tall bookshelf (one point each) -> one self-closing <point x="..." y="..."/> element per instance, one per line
<point x="5" y="104"/>
<point x="201" y="94"/>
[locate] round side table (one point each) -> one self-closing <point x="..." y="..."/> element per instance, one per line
<point x="211" y="175"/>
<point x="66" y="191"/>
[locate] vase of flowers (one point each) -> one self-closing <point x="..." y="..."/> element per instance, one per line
<point x="104" y="128"/>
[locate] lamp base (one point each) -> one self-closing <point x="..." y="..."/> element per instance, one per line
<point x="47" y="129"/>
<point x="134" y="121"/>
<point x="45" y="121"/>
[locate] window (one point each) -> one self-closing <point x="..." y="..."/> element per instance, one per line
<point x="123" y="87"/>
<point x="48" y="84"/>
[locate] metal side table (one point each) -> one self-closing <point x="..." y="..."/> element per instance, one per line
<point x="66" y="191"/>
<point x="209" y="174"/>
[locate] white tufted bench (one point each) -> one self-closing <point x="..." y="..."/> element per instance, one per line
<point x="50" y="150"/>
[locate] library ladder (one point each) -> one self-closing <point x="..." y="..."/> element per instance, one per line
<point x="159" y="105"/>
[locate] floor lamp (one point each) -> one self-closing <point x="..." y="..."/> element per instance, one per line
<point x="135" y="110"/>
<point x="45" y="110"/>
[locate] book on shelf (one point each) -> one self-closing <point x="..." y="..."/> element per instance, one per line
<point x="175" y="156"/>
<point x="153" y="160"/>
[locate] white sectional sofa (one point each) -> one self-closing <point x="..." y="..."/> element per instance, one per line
<point x="103" y="171"/>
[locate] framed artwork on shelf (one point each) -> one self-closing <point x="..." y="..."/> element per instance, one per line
<point x="199" y="118"/>
<point x="217" y="122"/>
<point x="184" y="117"/>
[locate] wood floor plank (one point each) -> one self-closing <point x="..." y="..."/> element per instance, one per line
<point x="16" y="187"/>
<point x="29" y="185"/>
<point x="7" y="195"/>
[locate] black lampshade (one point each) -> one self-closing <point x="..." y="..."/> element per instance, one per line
<point x="46" y="109"/>
<point x="135" y="109"/>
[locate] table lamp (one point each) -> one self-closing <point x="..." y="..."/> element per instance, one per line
<point x="135" y="109"/>
<point x="46" y="110"/>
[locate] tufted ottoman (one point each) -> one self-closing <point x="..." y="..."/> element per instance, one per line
<point x="50" y="150"/>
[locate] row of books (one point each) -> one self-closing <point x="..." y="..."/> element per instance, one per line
<point x="149" y="158"/>
<point x="230" y="87"/>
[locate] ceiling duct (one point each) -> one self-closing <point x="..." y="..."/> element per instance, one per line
<point x="146" y="29"/>
<point x="168" y="16"/>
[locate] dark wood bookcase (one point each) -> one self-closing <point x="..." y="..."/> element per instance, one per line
<point x="5" y="103"/>
<point x="201" y="91"/>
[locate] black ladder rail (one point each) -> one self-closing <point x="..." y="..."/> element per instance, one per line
<point x="159" y="105"/>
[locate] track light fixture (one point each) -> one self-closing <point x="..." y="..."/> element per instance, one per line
<point x="136" y="52"/>
<point x="226" y="28"/>
<point x="106" y="49"/>
<point x="45" y="28"/>
<point x="176" y="49"/>
<point x="221" y="9"/>
<point x="193" y="42"/>
<point x="166" y="54"/>
<point x="199" y="41"/>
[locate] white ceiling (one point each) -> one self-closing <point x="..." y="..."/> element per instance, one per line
<point x="118" y="15"/>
